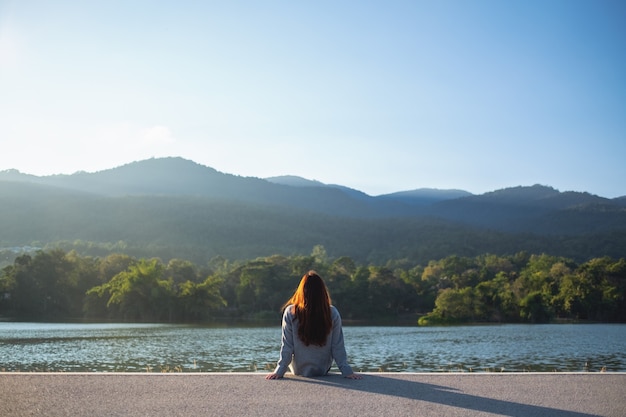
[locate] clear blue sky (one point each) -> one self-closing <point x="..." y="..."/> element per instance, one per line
<point x="380" y="96"/>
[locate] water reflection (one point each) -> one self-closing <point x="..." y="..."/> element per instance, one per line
<point x="178" y="348"/>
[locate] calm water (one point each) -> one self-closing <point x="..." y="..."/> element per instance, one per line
<point x="175" y="348"/>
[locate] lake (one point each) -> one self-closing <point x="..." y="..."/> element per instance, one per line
<point x="190" y="348"/>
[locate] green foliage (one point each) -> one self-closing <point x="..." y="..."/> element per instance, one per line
<point x="528" y="288"/>
<point x="176" y="224"/>
<point x="455" y="304"/>
<point x="50" y="284"/>
<point x="535" y="308"/>
<point x="56" y="285"/>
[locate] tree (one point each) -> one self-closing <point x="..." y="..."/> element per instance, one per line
<point x="319" y="254"/>
<point x="452" y="305"/>
<point x="535" y="308"/>
<point x="114" y="264"/>
<point x="180" y="271"/>
<point x="265" y="284"/>
<point x="197" y="301"/>
<point x="338" y="279"/>
<point x="42" y="287"/>
<point x="390" y="296"/>
<point x="495" y="300"/>
<point x="356" y="301"/>
<point x="53" y="284"/>
<point x="599" y="287"/>
<point x="139" y="293"/>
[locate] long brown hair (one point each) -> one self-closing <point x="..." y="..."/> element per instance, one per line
<point x="311" y="306"/>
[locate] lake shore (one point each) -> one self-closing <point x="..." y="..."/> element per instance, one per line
<point x="377" y="394"/>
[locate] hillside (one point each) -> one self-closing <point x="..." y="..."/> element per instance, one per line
<point x="537" y="209"/>
<point x="180" y="177"/>
<point x="172" y="207"/>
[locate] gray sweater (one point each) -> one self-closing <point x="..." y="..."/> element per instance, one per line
<point x="311" y="360"/>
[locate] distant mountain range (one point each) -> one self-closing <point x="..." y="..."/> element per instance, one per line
<point x="180" y="177"/>
<point x="178" y="207"/>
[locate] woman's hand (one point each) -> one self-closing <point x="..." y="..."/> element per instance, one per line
<point x="273" y="376"/>
<point x="354" y="376"/>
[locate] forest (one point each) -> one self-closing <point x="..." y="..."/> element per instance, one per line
<point x="173" y="208"/>
<point x="55" y="285"/>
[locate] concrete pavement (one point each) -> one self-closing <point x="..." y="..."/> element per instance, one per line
<point x="377" y="394"/>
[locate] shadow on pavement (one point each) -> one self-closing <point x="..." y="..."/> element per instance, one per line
<point x="439" y="395"/>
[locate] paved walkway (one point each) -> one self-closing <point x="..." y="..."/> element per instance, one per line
<point x="249" y="394"/>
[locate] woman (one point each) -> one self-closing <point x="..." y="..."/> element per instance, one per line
<point x="312" y="336"/>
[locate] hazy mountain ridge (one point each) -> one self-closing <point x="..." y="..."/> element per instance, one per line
<point x="536" y="209"/>
<point x="425" y="196"/>
<point x="512" y="209"/>
<point x="295" y="181"/>
<point x="177" y="207"/>
<point x="180" y="177"/>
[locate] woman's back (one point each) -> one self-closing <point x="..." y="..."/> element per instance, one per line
<point x="312" y="336"/>
<point x="313" y="360"/>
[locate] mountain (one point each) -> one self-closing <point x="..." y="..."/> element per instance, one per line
<point x="536" y="209"/>
<point x="419" y="197"/>
<point x="180" y="177"/>
<point x="425" y="196"/>
<point x="295" y="181"/>
<point x="172" y="207"/>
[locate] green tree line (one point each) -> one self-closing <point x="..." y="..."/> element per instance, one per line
<point x="59" y="285"/>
